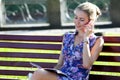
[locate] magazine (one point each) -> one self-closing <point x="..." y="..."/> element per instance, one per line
<point x="49" y="69"/>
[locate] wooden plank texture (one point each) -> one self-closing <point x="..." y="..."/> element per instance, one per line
<point x="29" y="55"/>
<point x="31" y="38"/>
<point x="26" y="64"/>
<point x="103" y="77"/>
<point x="30" y="46"/>
<point x="10" y="41"/>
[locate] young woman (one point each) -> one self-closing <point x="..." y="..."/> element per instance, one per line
<point x="79" y="50"/>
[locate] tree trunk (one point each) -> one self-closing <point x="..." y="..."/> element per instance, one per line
<point x="53" y="12"/>
<point x="115" y="12"/>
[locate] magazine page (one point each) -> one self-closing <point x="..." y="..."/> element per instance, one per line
<point x="49" y="69"/>
<point x="56" y="71"/>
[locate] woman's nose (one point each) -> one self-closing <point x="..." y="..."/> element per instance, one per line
<point x="77" y="21"/>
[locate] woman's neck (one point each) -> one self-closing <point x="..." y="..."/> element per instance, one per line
<point x="80" y="34"/>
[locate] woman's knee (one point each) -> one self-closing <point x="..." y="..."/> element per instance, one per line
<point x="42" y="74"/>
<point x="37" y="75"/>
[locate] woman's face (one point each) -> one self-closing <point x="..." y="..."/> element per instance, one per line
<point x="81" y="19"/>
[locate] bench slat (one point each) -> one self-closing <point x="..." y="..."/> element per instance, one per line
<point x="24" y="73"/>
<point x="15" y="72"/>
<point x="51" y="65"/>
<point x="49" y="46"/>
<point x="115" y="49"/>
<point x="26" y="64"/>
<point x="31" y="38"/>
<point x="29" y="55"/>
<point x="112" y="39"/>
<point x="106" y="68"/>
<point x="103" y="77"/>
<point x="30" y="46"/>
<point x="52" y="56"/>
<point x="109" y="58"/>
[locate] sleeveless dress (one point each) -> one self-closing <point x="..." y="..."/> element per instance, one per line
<point x="72" y="65"/>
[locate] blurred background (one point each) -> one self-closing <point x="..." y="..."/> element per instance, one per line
<point x="53" y="14"/>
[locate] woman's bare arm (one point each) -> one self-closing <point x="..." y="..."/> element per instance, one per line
<point x="60" y="61"/>
<point x="90" y="56"/>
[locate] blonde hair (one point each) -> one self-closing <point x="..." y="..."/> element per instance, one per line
<point x="91" y="9"/>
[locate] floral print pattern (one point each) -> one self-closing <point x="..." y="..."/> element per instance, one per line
<point x="72" y="65"/>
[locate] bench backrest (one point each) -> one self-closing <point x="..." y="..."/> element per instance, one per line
<point x="17" y="51"/>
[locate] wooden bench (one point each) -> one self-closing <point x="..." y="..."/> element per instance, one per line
<point x="17" y="51"/>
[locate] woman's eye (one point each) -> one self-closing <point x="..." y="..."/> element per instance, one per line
<point x="81" y="20"/>
<point x="75" y="17"/>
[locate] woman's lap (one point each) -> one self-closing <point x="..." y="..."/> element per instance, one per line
<point x="66" y="78"/>
<point x="63" y="78"/>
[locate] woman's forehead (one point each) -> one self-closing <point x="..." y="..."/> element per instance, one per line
<point x="80" y="13"/>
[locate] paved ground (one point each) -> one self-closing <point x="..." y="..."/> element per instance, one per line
<point x="56" y="31"/>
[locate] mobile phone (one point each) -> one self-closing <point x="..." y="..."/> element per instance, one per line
<point x="88" y="22"/>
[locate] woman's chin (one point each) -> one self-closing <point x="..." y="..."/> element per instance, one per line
<point x="79" y="28"/>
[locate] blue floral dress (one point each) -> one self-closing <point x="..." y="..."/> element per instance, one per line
<point x="72" y="65"/>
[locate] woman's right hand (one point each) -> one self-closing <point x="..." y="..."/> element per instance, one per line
<point x="88" y="28"/>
